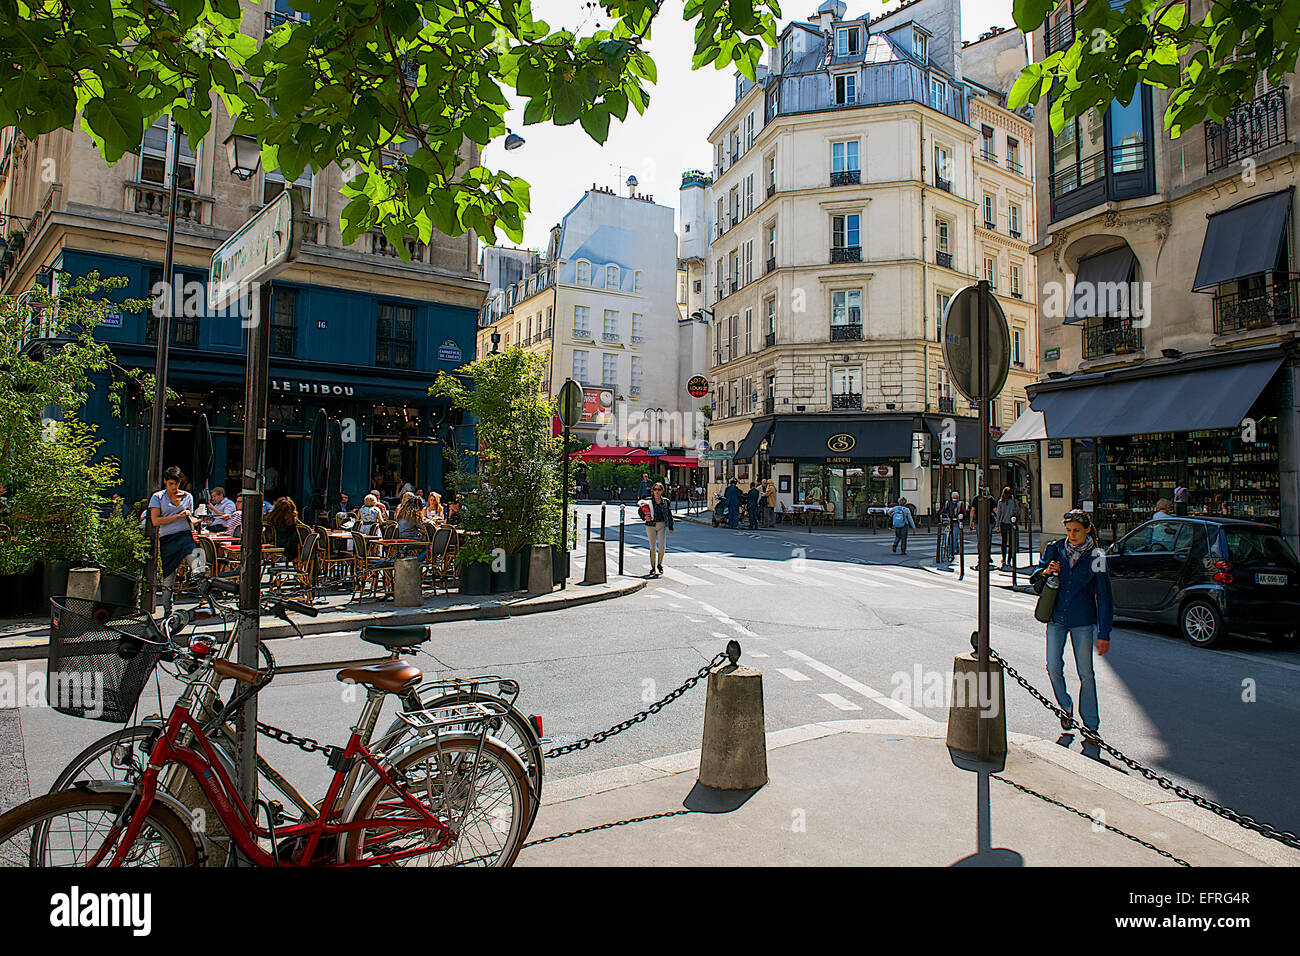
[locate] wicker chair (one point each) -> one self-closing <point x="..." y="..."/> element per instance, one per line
<point x="333" y="557"/>
<point x="302" y="573"/>
<point x="369" y="570"/>
<point x="388" y="529"/>
<point x="221" y="567"/>
<point x="441" y="569"/>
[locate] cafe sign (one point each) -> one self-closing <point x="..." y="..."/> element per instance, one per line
<point x="310" y="388"/>
<point x="841" y="443"/>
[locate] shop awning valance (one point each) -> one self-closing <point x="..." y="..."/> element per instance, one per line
<point x="679" y="461"/>
<point x="1196" y="400"/>
<point x="1102" y="285"/>
<point x="748" y="446"/>
<point x="626" y="456"/>
<point x="1243" y="240"/>
<point x="831" y="438"/>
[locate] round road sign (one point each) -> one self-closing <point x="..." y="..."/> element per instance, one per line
<point x="960" y="326"/>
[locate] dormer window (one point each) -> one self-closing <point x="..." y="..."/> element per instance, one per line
<point x="847" y="41"/>
<point x="846" y="89"/>
<point x="921" y="45"/>
<point x="611" y="277"/>
<point x="584" y="272"/>
<point x="787" y="50"/>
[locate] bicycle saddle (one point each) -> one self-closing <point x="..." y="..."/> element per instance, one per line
<point x="391" y="676"/>
<point x="393" y="638"/>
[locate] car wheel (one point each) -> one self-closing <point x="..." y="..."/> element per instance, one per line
<point x="1201" y="623"/>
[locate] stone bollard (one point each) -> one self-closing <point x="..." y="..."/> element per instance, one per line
<point x="541" y="576"/>
<point x="406" y="583"/>
<point x="734" y="753"/>
<point x="964" y="710"/>
<point x="83" y="583"/>
<point x="595" y="562"/>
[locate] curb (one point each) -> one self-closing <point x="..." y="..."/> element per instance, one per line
<point x="558" y="600"/>
<point x="1139" y="791"/>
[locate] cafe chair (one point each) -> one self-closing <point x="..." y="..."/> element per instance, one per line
<point x="388" y="530"/>
<point x="369" y="570"/>
<point x="440" y="567"/>
<point x="301" y="573"/>
<point x="222" y="568"/>
<point x="335" y="559"/>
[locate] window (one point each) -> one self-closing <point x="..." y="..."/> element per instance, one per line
<point x="749" y="331"/>
<point x="1126" y="135"/>
<point x="273" y="185"/>
<point x="747" y="395"/>
<point x="395" y="336"/>
<point x="735" y="144"/>
<point x="771" y="174"/>
<point x="721" y="219"/>
<point x="787" y="50"/>
<point x="940" y="303"/>
<point x="735" y="394"/>
<point x="846" y="41"/>
<point x="584" y="272"/>
<point x="609" y="369"/>
<point x="995" y="418"/>
<point x="941" y="230"/>
<point x="507" y="340"/>
<point x="1016" y="356"/>
<point x="155" y="157"/>
<point x="986" y="144"/>
<point x="636" y="373"/>
<point x="1013" y="219"/>
<point x="921" y="45"/>
<point x="749" y="194"/>
<point x="699" y="286"/>
<point x="611" y="323"/>
<point x="845" y="231"/>
<point x="846" y="89"/>
<point x="638" y="281"/>
<point x="184" y="328"/>
<point x="1013" y="156"/>
<point x="771" y="317"/>
<point x="1079" y="154"/>
<point x="734" y="325"/>
<point x="735" y="204"/>
<point x="991" y="271"/>
<point x="846" y="307"/>
<point x="1015" y="279"/>
<point x="735" y="269"/>
<point x="938" y="94"/>
<point x="611" y="277"/>
<point x="845" y="381"/>
<point x="721" y="280"/>
<point x="771" y="245"/>
<point x="749" y="131"/>
<point x="844" y="157"/>
<point x="942" y="168"/>
<point x="1019" y="408"/>
<point x="581" y="318"/>
<point x="638" y="327"/>
<point x="580" y="367"/>
<point x="748" y="260"/>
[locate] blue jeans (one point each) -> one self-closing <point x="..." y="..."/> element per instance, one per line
<point x="1082" y="638"/>
<point x="733" y="516"/>
<point x="900" y="537"/>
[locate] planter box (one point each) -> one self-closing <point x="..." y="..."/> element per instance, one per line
<point x="476" y="579"/>
<point x="55" y="580"/>
<point x="560" y="563"/>
<point x="507" y="580"/>
<point x="20" y="593"/>
<point x="115" y="589"/>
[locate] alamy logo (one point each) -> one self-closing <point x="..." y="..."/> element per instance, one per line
<point x="78" y="909"/>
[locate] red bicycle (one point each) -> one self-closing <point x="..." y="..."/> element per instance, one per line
<point x="451" y="795"/>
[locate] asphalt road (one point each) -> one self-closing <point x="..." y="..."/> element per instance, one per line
<point x="841" y="628"/>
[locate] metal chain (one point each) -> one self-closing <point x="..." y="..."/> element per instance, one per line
<point x="606" y="826"/>
<point x="1241" y="819"/>
<point x="1064" y="806"/>
<point x="631" y="721"/>
<point x="302" y="743"/>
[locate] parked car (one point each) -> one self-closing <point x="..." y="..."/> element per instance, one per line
<point x="1209" y="576"/>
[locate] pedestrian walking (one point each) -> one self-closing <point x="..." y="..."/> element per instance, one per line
<point x="770" y="496"/>
<point x="752" y="499"/>
<point x="643" y="490"/>
<point x="900" y="516"/>
<point x="733" y="498"/>
<point x="658" y="525"/>
<point x="1006" y="511"/>
<point x="954" y="509"/>
<point x="1082" y="612"/>
<point x="169" y="512"/>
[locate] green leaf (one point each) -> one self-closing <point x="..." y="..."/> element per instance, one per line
<point x="596" y="122"/>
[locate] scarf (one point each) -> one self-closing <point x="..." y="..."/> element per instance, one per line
<point x="1074" y="553"/>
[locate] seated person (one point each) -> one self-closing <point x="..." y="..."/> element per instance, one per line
<point x="283" y="522"/>
<point x="220" y="511"/>
<point x="370" y="515"/>
<point x="433" y="509"/>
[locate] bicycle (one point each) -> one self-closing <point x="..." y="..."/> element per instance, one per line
<point x="943" y="548"/>
<point x="417" y="803"/>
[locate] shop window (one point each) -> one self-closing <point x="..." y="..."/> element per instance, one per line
<point x="395" y="336"/>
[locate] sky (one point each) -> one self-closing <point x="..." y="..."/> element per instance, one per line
<point x="561" y="162"/>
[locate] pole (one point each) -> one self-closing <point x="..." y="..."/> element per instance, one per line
<point x="564" y="511"/>
<point x="256" y="372"/>
<point x="588" y="526"/>
<point x="622" y="509"/>
<point x="602" y="521"/>
<point x="1015" y="547"/>
<point x="982" y="517"/>
<point x="159" y="420"/>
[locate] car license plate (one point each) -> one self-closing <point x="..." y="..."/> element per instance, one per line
<point x="1270" y="579"/>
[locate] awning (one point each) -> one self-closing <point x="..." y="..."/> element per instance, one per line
<point x="681" y="461"/>
<point x="1202" y="399"/>
<point x="831" y="438"/>
<point x="748" y="446"/>
<point x="1243" y="240"/>
<point x="968" y="437"/>
<point x="1102" y="285"/>
<point x="627" y="456"/>
<point x="1028" y="427"/>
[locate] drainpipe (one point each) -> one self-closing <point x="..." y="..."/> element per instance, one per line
<point x="925" y="273"/>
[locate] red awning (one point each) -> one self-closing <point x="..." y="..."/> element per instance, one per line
<point x="630" y="456"/>
<point x="682" y="460"/>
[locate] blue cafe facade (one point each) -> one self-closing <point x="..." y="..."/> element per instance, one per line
<point x="366" y="359"/>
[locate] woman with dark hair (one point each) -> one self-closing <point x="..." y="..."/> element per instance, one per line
<point x="1006" y="511"/>
<point x="283" y="522"/>
<point x="169" y="512"/>
<point x="1082" y="612"/>
<point x="409" y="514"/>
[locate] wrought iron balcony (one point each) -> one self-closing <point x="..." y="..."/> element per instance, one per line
<point x="1015" y="166"/>
<point x="990" y="224"/>
<point x="945" y="403"/>
<point x="1276" y="303"/>
<point x="1015" y="233"/>
<point x="610" y="337"/>
<point x="771" y="191"/>
<point x="847" y="177"/>
<point x="989" y="156"/>
<point x="846" y="253"/>
<point x="1250" y="128"/>
<point x="638" y="339"/>
<point x="846" y="333"/>
<point x="771" y="265"/>
<point x="851" y="400"/>
<point x="1017" y="294"/>
<point x="943" y="259"/>
<point x="1060" y="36"/>
<point x="1110" y="336"/>
<point x="944" y="184"/>
<point x="582" y="333"/>
<point x="769" y="340"/>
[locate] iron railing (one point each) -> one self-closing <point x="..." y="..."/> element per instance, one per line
<point x="1015" y="166"/>
<point x="944" y="184"/>
<point x="769" y="340"/>
<point x="851" y="400"/>
<point x="771" y="265"/>
<point x="1274" y="304"/>
<point x="846" y="253"/>
<point x="945" y="403"/>
<point x="943" y="259"/>
<point x="847" y="177"/>
<point x="1248" y="129"/>
<point x="1111" y="336"/>
<point x="769" y="406"/>
<point x="846" y="333"/>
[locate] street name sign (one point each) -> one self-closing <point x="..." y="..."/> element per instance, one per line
<point x="258" y="250"/>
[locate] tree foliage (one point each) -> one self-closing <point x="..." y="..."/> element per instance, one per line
<point x="356" y="78"/>
<point x="1209" y="65"/>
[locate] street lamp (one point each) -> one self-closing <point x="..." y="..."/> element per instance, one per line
<point x="513" y="140"/>
<point x="244" y="155"/>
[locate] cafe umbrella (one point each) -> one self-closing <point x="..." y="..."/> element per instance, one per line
<point x="318" y="460"/>
<point x="334" y="481"/>
<point x="203" y="458"/>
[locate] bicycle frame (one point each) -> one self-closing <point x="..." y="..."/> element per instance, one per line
<point x="238" y="821"/>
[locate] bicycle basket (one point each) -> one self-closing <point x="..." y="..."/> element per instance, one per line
<point x="101" y="655"/>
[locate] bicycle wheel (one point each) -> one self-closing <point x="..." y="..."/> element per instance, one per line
<point x="512" y="728"/>
<point x="69" y="828"/>
<point x="481" y="794"/>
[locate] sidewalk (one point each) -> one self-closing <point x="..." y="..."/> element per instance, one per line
<point x="28" y="638"/>
<point x="882" y="793"/>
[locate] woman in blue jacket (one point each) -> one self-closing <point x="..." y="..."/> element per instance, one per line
<point x="1083" y="611"/>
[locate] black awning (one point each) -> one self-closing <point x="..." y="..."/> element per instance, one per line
<point x="1243" y="240"/>
<point x="748" y="446"/>
<point x="1203" y="399"/>
<point x="1102" y="285"/>
<point x="968" y="437"/>
<point x="821" y="438"/>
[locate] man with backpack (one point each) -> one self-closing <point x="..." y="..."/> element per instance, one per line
<point x="900" y="517"/>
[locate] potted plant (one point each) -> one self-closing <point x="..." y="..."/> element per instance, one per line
<point x="474" y="565"/>
<point x="120" y="547"/>
<point x="20" y="577"/>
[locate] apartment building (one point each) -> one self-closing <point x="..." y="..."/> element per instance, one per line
<point x="356" y="330"/>
<point x="1169" y="296"/>
<point x="846" y="206"/>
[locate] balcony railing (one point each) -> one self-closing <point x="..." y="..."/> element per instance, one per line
<point x="635" y="389"/>
<point x="1250" y="128"/>
<point x="1017" y="294"/>
<point x="1111" y="336"/>
<point x="1277" y="303"/>
<point x="990" y="224"/>
<point x="846" y="253"/>
<point x="610" y="337"/>
<point x="769" y="406"/>
<point x="769" y="340"/>
<point x="771" y="190"/>
<point x="275" y="18"/>
<point x="1015" y="233"/>
<point x="151" y="200"/>
<point x="1015" y="166"/>
<point x="945" y="403"/>
<point x="582" y="333"/>
<point x="847" y="177"/>
<point x="943" y="259"/>
<point x="944" y="184"/>
<point x="851" y="400"/>
<point x="1060" y="36"/>
<point x="638" y="339"/>
<point x="846" y="333"/>
<point x="770" y="266"/>
<point x="989" y="156"/>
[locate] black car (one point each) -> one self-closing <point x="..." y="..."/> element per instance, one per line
<point x="1208" y="575"/>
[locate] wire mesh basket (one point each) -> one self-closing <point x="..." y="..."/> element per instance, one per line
<point x="101" y="655"/>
